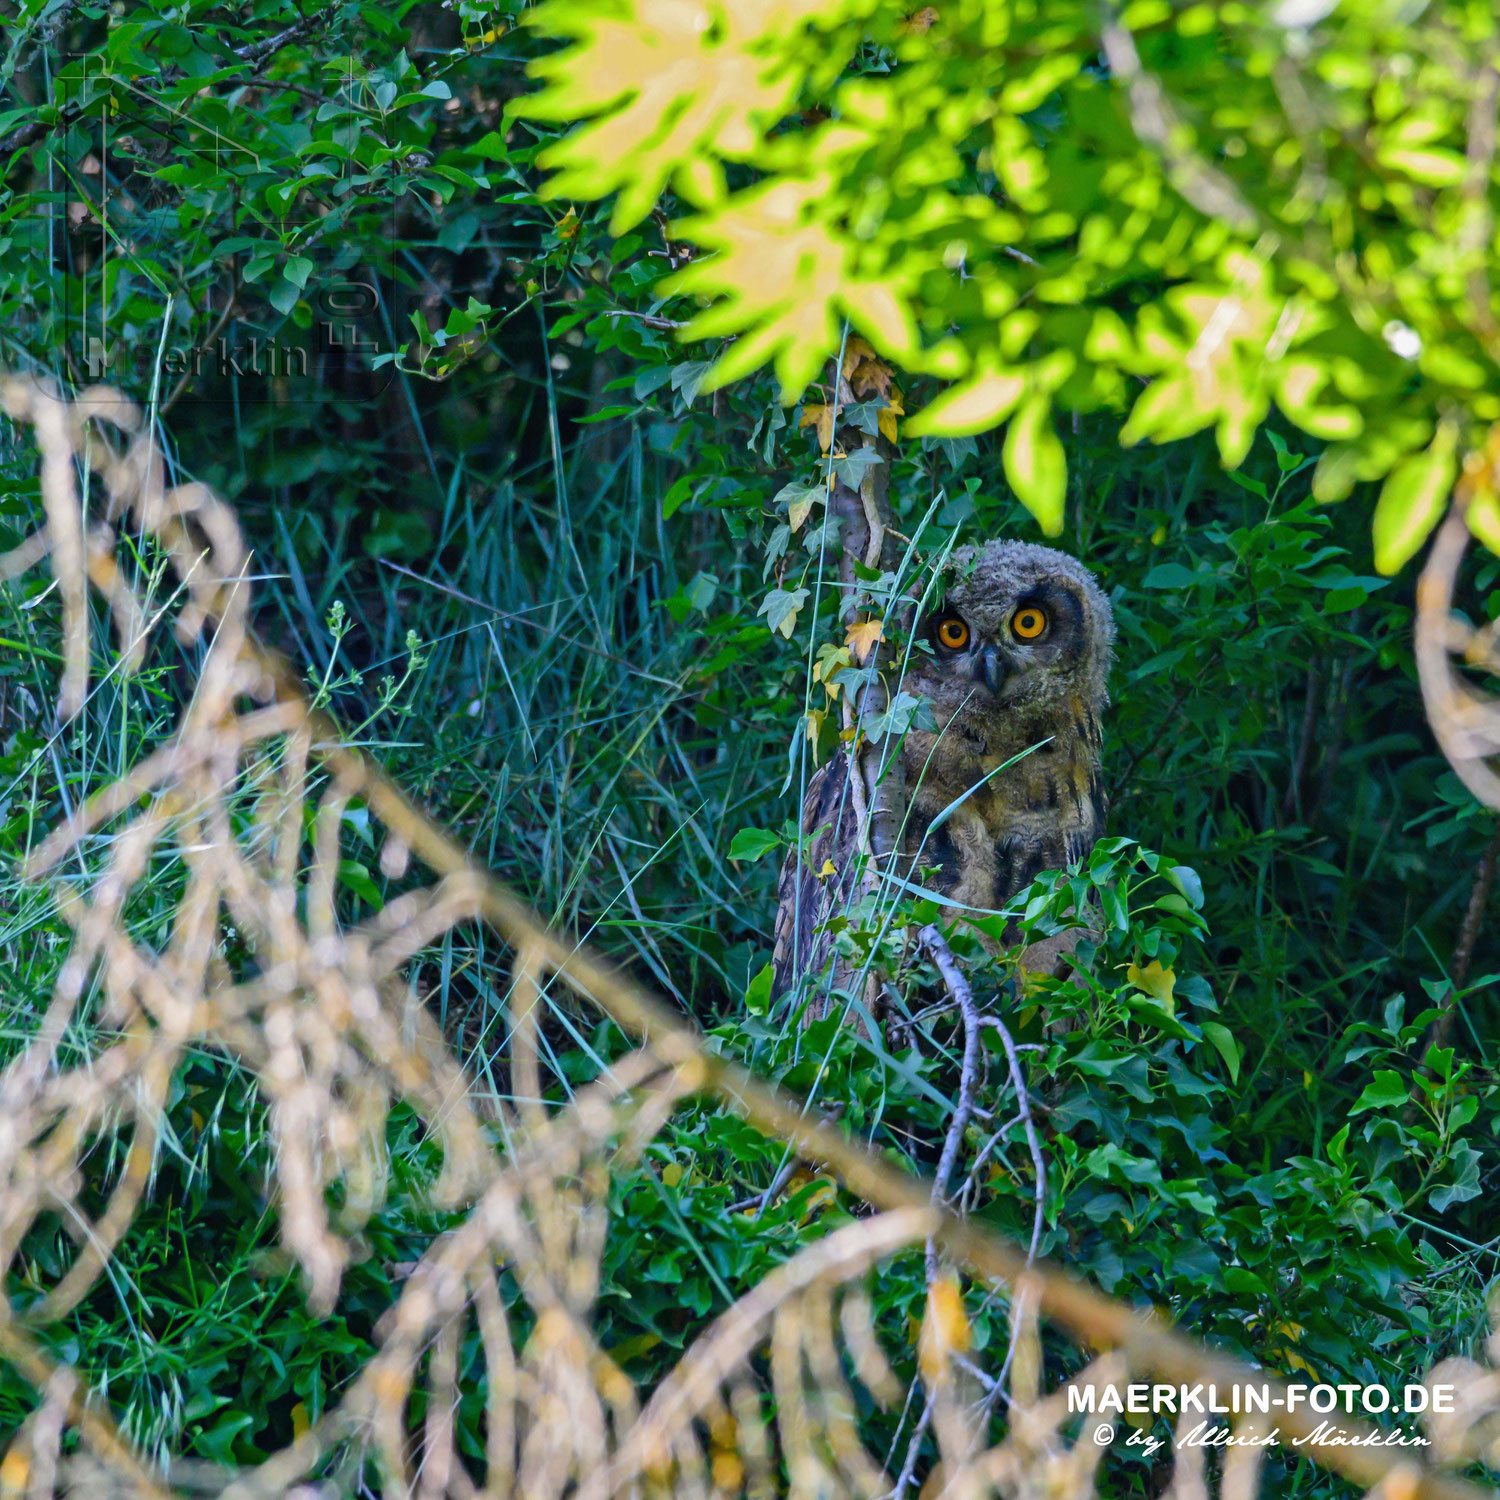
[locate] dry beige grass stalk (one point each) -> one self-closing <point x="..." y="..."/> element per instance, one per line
<point x="323" y="1015"/>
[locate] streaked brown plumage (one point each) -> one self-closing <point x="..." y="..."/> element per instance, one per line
<point x="1013" y="662"/>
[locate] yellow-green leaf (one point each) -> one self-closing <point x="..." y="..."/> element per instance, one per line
<point x="974" y="406"/>
<point x="1035" y="463"/>
<point x="945" y="1328"/>
<point x="1155" y="981"/>
<point x="820" y="417"/>
<point x="1167" y="409"/>
<point x="1483" y="516"/>
<point x="1431" y="167"/>
<point x="862" y="638"/>
<point x="1412" y="501"/>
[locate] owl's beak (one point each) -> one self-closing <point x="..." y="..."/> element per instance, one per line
<point x="989" y="668"/>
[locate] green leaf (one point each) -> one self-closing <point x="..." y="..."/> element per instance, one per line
<point x="758" y="992"/>
<point x="781" y="607"/>
<point x="650" y="380"/>
<point x="676" y="497"/>
<point x="903" y="713"/>
<point x="1387" y="1091"/>
<point x="355" y="877"/>
<point x="1171" y="576"/>
<point x="1185" y="878"/>
<point x="753" y="843"/>
<point x="1222" y="1039"/>
<point x="799" y="499"/>
<point x="688" y="377"/>
<point x="1035" y="464"/>
<point x="1465" y="1184"/>
<point x="491" y="145"/>
<point x="1432" y="168"/>
<point x="851" y="468"/>
<point x="1412" y="501"/>
<point x="284" y="295"/>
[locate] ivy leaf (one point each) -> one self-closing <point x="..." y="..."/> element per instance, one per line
<point x="903" y="713"/>
<point x="1466" y="1181"/>
<point x="820" y="417"/>
<point x="886" y="418"/>
<point x="1155" y="981"/>
<point x="864" y="369"/>
<point x="1386" y="1091"/>
<point x="851" y="468"/>
<point x="781" y="539"/>
<point x="799" y="499"/>
<point x="863" y="637"/>
<point x="781" y="607"/>
<point x="1035" y="464"/>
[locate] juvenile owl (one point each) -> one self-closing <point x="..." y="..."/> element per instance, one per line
<point x="1013" y="662"/>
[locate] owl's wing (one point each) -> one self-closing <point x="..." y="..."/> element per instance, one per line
<point x="820" y="882"/>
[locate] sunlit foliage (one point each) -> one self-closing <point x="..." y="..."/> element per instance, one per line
<point x="1188" y="214"/>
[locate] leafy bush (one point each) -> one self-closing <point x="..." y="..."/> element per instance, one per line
<point x="558" y="542"/>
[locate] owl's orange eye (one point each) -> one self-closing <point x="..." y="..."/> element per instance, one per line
<point x="1029" y="623"/>
<point x="953" y="633"/>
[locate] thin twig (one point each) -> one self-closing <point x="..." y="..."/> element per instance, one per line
<point x="651" y="320"/>
<point x="257" y="52"/>
<point x="1479" y="896"/>
<point x="957" y="985"/>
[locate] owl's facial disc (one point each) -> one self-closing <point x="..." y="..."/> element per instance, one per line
<point x="957" y="647"/>
<point x="1010" y="646"/>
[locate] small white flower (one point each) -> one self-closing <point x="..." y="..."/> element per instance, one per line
<point x="473" y="708"/>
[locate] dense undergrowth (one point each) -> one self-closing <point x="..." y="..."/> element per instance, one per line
<point x="532" y="587"/>
<point x="1277" y="1190"/>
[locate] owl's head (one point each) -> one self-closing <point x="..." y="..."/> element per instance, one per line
<point x="1018" y="626"/>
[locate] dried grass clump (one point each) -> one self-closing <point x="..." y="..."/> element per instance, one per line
<point x="246" y="801"/>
